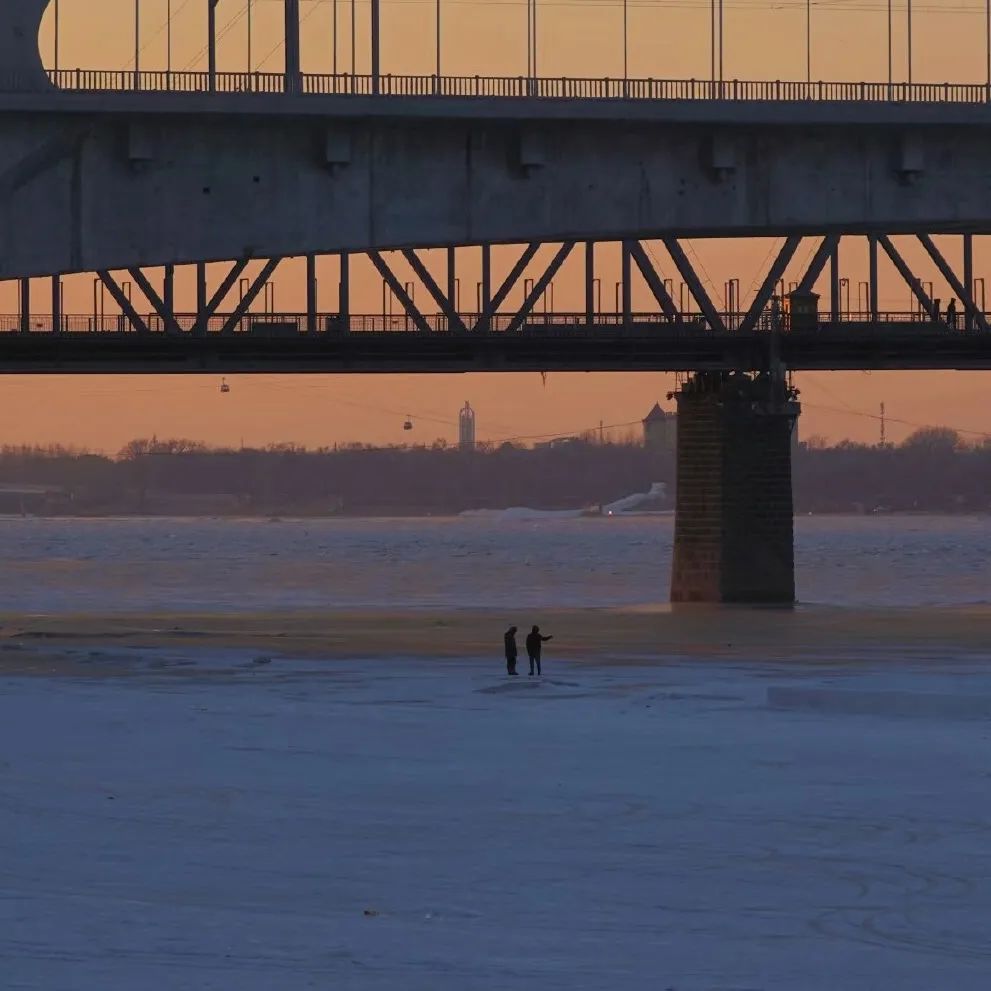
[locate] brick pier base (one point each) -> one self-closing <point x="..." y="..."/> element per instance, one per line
<point x="734" y="529"/>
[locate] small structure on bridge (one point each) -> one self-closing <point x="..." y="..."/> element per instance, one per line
<point x="804" y="309"/>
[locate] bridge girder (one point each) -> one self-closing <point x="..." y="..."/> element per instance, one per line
<point x="92" y="191"/>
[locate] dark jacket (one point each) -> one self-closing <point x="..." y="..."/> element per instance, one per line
<point x="533" y="642"/>
<point x="510" y="641"/>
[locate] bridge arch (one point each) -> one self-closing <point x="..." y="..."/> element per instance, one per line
<point x="21" y="67"/>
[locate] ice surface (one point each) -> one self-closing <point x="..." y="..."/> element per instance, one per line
<point x="549" y="562"/>
<point x="640" y="827"/>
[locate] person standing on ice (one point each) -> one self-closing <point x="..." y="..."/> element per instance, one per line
<point x="509" y="640"/>
<point x="534" y="643"/>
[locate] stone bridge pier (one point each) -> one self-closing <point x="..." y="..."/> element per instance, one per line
<point x="734" y="529"/>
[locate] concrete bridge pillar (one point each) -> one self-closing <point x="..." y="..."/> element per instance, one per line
<point x="734" y="531"/>
<point x="20" y="61"/>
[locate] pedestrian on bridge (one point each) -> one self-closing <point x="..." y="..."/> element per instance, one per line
<point x="509" y="641"/>
<point x="534" y="643"/>
<point x="951" y="314"/>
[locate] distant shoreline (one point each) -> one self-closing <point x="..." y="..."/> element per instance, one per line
<point x="486" y="515"/>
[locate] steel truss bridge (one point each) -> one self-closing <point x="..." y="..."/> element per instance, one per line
<point x="685" y="330"/>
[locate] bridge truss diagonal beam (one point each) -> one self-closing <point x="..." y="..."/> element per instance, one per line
<point x="951" y="277"/>
<point x="250" y="296"/>
<point x="399" y="291"/>
<point x="209" y="307"/>
<point x="157" y="303"/>
<point x="694" y="283"/>
<point x="654" y="282"/>
<point x="509" y="283"/>
<point x="120" y="298"/>
<point x="776" y="271"/>
<point x="225" y="287"/>
<point x="825" y="251"/>
<point x="445" y="303"/>
<point x="540" y="286"/>
<point x="911" y="280"/>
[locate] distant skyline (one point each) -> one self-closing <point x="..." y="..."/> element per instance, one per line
<point x="666" y="39"/>
<point x="103" y="413"/>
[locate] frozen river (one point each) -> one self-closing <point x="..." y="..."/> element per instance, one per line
<point x="403" y="825"/>
<point x="137" y="565"/>
<point x="803" y="807"/>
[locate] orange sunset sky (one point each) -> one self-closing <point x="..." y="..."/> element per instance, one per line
<point x="667" y="38"/>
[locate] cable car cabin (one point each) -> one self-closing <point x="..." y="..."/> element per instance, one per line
<point x="408" y="425"/>
<point x="224" y="387"/>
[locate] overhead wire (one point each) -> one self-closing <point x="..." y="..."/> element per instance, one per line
<point x="565" y="434"/>
<point x="850" y="411"/>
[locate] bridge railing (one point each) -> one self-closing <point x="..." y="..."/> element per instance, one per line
<point x="509" y="87"/>
<point x="289" y="325"/>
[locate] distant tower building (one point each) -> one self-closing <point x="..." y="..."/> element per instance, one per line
<point x="660" y="430"/>
<point x="466" y="428"/>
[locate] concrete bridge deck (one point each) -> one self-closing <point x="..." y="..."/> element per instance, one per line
<point x="555" y="342"/>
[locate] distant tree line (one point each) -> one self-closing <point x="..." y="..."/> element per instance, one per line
<point x="177" y="476"/>
<point x="934" y="470"/>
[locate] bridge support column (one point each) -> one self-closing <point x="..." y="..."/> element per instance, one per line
<point x="872" y="267"/>
<point x="344" y="294"/>
<point x="968" y="279"/>
<point x="485" y="291"/>
<point x="452" y="279"/>
<point x="311" y="294"/>
<point x="733" y="526"/>
<point x="835" y="287"/>
<point x="202" y="319"/>
<point x="168" y="291"/>
<point x="24" y="305"/>
<point x="57" y="304"/>
<point x="589" y="284"/>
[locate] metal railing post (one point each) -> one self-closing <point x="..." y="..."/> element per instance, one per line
<point x="212" y="45"/>
<point x="376" y="38"/>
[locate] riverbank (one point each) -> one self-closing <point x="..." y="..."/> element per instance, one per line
<point x="110" y="643"/>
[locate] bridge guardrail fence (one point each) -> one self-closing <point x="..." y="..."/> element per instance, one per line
<point x="509" y="87"/>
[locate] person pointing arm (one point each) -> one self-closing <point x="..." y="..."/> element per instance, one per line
<point x="534" y="642"/>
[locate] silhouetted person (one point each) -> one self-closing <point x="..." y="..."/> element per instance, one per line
<point x="951" y="314"/>
<point x="534" y="642"/>
<point x="509" y="639"/>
